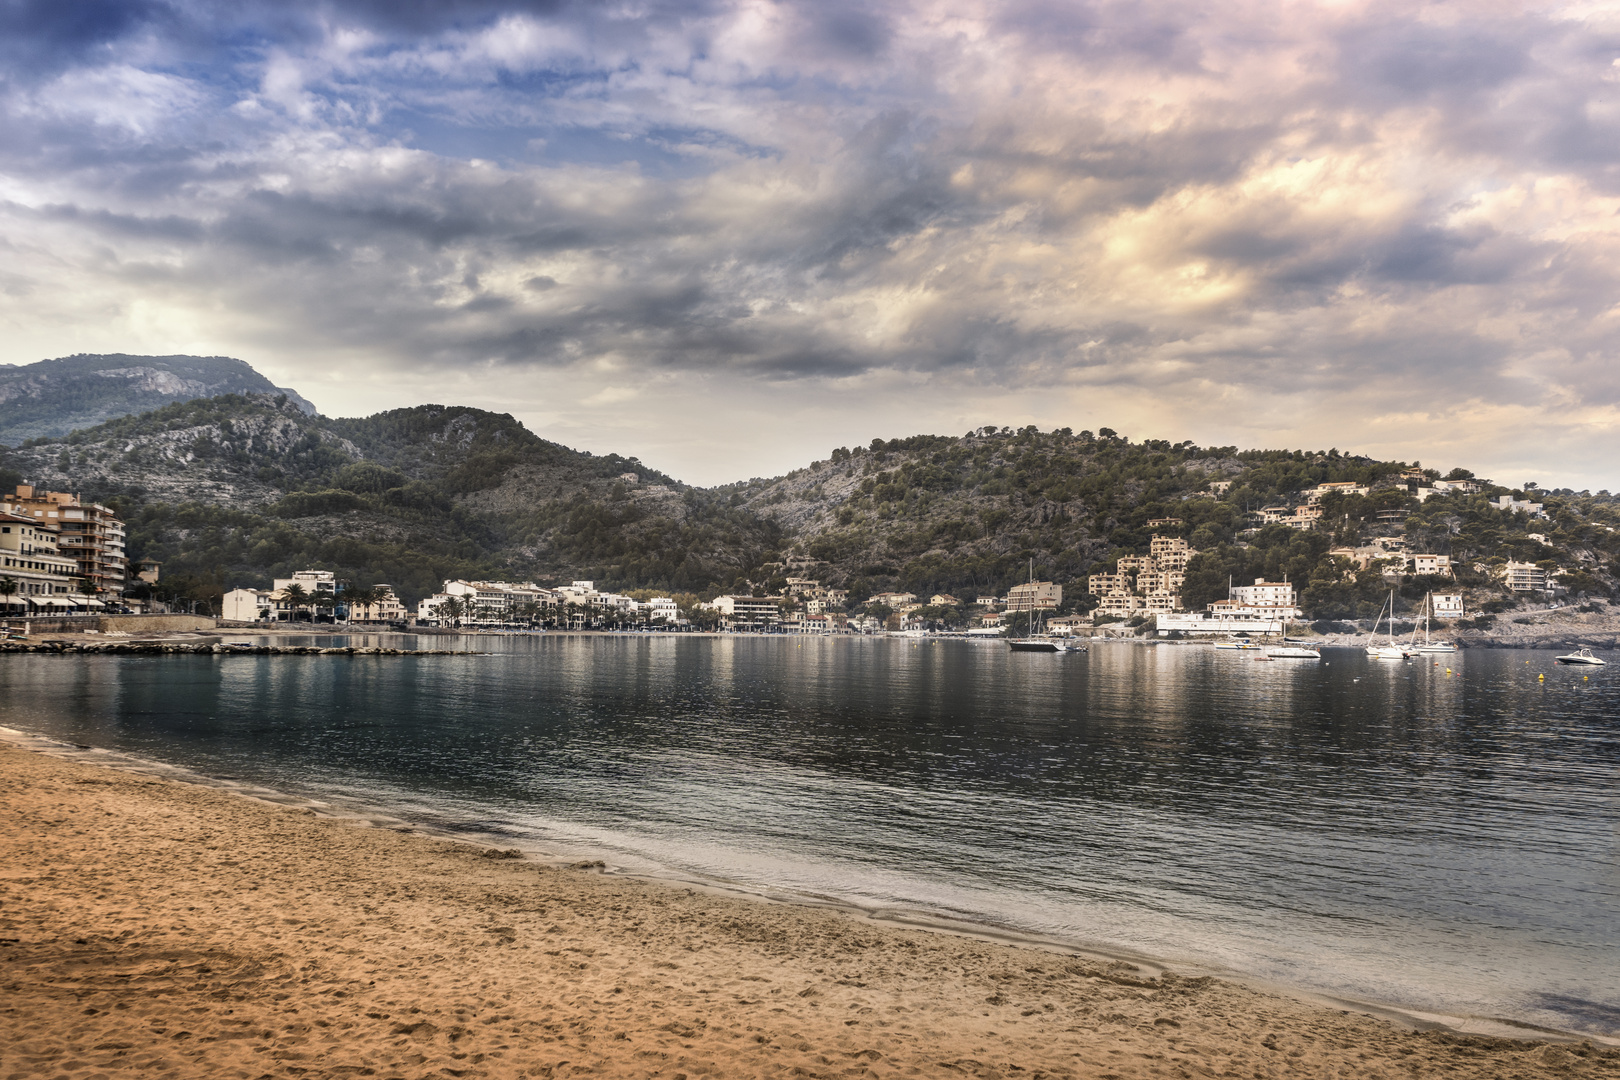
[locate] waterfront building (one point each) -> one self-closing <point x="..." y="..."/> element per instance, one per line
<point x="747" y="612"/>
<point x="311" y="581"/>
<point x="41" y="577"/>
<point x="89" y="533"/>
<point x="1265" y="594"/>
<point x="384" y="608"/>
<point x="1034" y="596"/>
<point x="1448" y="605"/>
<point x="1121" y="605"/>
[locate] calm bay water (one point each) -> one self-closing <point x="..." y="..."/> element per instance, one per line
<point x="1443" y="837"/>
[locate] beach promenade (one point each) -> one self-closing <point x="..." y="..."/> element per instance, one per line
<point x="159" y="929"/>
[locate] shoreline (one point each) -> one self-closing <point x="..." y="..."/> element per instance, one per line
<point x="1141" y="968"/>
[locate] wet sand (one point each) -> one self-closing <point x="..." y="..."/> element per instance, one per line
<point x="163" y="929"/>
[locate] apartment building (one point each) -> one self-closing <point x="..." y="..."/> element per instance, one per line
<point x="1169" y="553"/>
<point x="89" y="533"/>
<point x="384" y="608"/>
<point x="1034" y="596"/>
<point x="748" y="612"/>
<point x="1337" y="487"/>
<point x="1120" y="605"/>
<point x="1107" y="584"/>
<point x="1525" y="577"/>
<point x="41" y="577"/>
<point x="1265" y="594"/>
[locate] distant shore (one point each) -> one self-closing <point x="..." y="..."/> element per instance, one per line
<point x="175" y="928"/>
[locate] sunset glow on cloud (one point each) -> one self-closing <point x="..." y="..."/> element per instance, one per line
<point x="681" y="229"/>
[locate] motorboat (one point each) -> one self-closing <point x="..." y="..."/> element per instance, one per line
<point x="1241" y="645"/>
<point x="1582" y="655"/>
<point x="1073" y="646"/>
<point x="1293" y="652"/>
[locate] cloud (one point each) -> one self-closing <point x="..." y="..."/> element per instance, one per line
<point x="1308" y="210"/>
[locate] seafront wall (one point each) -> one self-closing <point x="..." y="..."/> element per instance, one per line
<point x="129" y="624"/>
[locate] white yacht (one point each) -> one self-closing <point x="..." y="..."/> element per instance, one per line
<point x="1582" y="655"/>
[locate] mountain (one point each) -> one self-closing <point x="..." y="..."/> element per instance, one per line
<point x="236" y="489"/>
<point x="54" y="397"/>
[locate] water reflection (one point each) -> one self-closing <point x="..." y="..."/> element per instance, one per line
<point x="1435" y="834"/>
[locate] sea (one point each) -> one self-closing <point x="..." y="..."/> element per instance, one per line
<point x="1440" y="835"/>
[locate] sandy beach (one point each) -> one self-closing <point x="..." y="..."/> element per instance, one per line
<point x="156" y="928"/>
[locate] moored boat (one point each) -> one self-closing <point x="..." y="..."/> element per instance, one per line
<point x="1293" y="652"/>
<point x="1582" y="655"/>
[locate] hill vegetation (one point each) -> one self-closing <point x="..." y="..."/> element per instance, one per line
<point x="235" y="489"/>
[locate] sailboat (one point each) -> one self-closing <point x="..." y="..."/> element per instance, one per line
<point x="1390" y="651"/>
<point x="1430" y="646"/>
<point x="1033" y="641"/>
<point x="1292" y="650"/>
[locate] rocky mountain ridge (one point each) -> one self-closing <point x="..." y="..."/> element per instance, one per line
<point x="54" y="397"/>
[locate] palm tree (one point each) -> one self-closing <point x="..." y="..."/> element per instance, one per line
<point x="295" y="596"/>
<point x="452" y="609"/>
<point x="8" y="589"/>
<point x="325" y="601"/>
<point x="359" y="597"/>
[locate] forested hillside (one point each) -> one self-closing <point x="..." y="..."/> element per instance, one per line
<point x="236" y="489"/>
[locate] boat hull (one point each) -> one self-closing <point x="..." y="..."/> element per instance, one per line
<point x="1033" y="646"/>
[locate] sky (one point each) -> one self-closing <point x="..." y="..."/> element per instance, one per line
<point x="726" y="236"/>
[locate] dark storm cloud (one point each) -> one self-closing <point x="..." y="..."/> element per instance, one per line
<point x="1362" y="202"/>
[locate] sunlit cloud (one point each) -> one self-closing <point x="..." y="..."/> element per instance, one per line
<point x="1372" y="225"/>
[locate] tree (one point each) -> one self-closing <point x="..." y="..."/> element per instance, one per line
<point x="296" y="598"/>
<point x="8" y="589"/>
<point x="359" y="597"/>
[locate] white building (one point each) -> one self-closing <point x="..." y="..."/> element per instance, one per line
<point x="1448" y="605"/>
<point x="746" y="612"/>
<point x="311" y="581"/>
<point x="1265" y="594"/>
<point x="1525" y="577"/>
<point x="1509" y="504"/>
<point x="248" y="605"/>
<point x="663" y="609"/>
